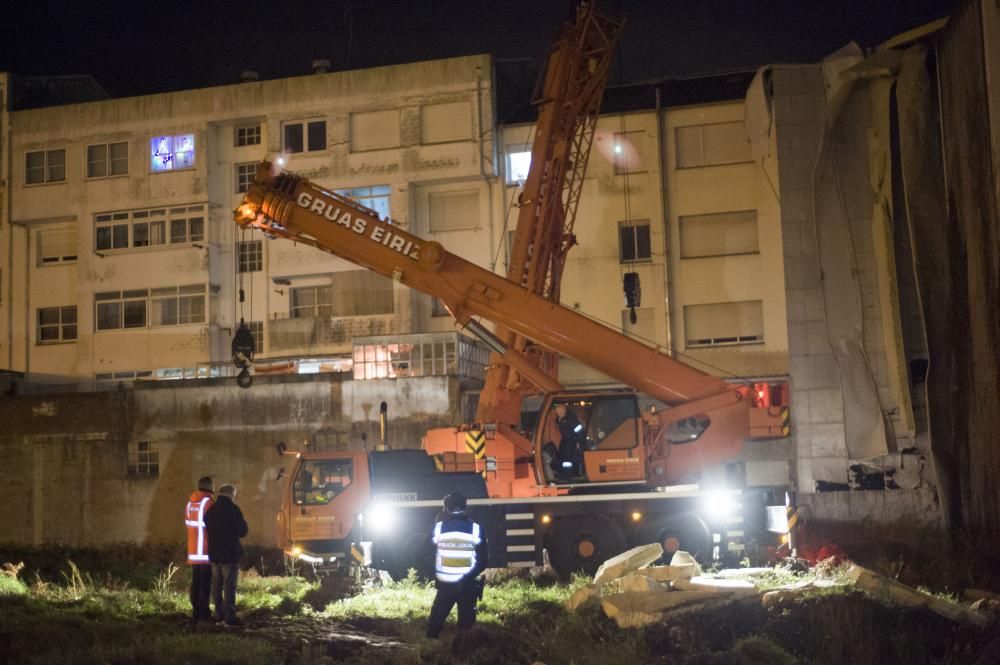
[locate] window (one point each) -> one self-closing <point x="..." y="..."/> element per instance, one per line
<point x="250" y="256"/>
<point x="375" y="197"/>
<point x="257" y="330"/>
<point x="56" y="324"/>
<point x="187" y="224"/>
<point x="374" y="130"/>
<point x="361" y="293"/>
<point x="451" y="121"/>
<point x="245" y="174"/>
<point x="56" y="246"/>
<point x="633" y="241"/>
<point x="107" y="159"/>
<point x="428" y="358"/>
<point x="518" y="164"/>
<point x="450" y="211"/>
<point x="310" y="302"/>
<point x="630" y="151"/>
<point x="109" y="380"/>
<point x="143" y="459"/>
<point x="178" y="305"/>
<point x="42" y="166"/>
<point x="115" y="310"/>
<point x="719" y="234"/>
<point x="149" y="228"/>
<point x="247" y="135"/>
<point x="171" y="153"/>
<point x="705" y="145"/>
<point x="725" y="323"/>
<point x="320" y="481"/>
<point x="307" y="136"/>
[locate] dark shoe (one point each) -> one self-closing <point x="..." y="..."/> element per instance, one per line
<point x="233" y="622"/>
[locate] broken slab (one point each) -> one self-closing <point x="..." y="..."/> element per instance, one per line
<point x="651" y="603"/>
<point x="743" y="572"/>
<point x="585" y="595"/>
<point x="634" y="582"/>
<point x="665" y="573"/>
<point x="972" y="595"/>
<point x="891" y="590"/>
<point x="732" y="588"/>
<point x="685" y="561"/>
<point x="626" y="562"/>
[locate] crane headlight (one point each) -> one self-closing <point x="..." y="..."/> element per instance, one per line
<point x="381" y="519"/>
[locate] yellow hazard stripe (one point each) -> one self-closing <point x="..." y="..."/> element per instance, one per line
<point x="792" y="517"/>
<point x="357" y="554"/>
<point x="786" y="421"/>
<point x="475" y="443"/>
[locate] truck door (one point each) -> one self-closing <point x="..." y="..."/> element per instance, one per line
<point x="612" y="451"/>
<point x="324" y="498"/>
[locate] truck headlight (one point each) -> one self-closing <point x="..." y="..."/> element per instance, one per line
<point x="720" y="504"/>
<point x="381" y="519"/>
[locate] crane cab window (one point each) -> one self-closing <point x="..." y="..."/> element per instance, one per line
<point x="318" y="482"/>
<point x="613" y="424"/>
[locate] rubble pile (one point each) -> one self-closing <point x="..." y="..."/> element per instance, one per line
<point x="635" y="592"/>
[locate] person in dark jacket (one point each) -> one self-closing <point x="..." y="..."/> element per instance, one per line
<point x="461" y="556"/>
<point x="225" y="525"/>
<point x="567" y="462"/>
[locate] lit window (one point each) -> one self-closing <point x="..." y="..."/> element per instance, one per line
<point x="518" y="164"/>
<point x="43" y="166"/>
<point x="56" y="324"/>
<point x="375" y="197"/>
<point x="178" y="305"/>
<point x="309" y="136"/>
<point x="633" y="239"/>
<point x="245" y="174"/>
<point x="107" y="159"/>
<point x="250" y="256"/>
<point x="143" y="459"/>
<point x="111" y="380"/>
<point x="171" y="153"/>
<point x="248" y="135"/>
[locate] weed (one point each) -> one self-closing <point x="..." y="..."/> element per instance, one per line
<point x="164" y="581"/>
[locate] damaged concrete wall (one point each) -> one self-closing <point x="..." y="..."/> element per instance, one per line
<point x="67" y="457"/>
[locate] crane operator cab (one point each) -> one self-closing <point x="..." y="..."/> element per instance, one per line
<point x="589" y="438"/>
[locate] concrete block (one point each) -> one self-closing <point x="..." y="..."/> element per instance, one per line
<point x="585" y="595"/>
<point x="726" y="587"/>
<point x="626" y="562"/>
<point x="652" y="604"/>
<point x="665" y="573"/>
<point x="635" y="582"/>
<point x="685" y="562"/>
<point x="901" y="594"/>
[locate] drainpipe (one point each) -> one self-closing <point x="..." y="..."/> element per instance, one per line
<point x="664" y="210"/>
<point x="482" y="158"/>
<point x="5" y="113"/>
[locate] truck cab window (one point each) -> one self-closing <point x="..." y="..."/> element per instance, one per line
<point x="613" y="424"/>
<point x="318" y="482"/>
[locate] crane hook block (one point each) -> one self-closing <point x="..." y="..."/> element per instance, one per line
<point x="243" y="350"/>
<point x="633" y="294"/>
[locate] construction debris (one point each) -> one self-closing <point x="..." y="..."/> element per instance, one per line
<point x="891" y="590"/>
<point x="729" y="587"/>
<point x="626" y="562"/>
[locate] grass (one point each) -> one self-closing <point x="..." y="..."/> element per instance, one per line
<point x="79" y="613"/>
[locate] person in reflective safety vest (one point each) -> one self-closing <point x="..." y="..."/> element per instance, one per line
<point x="197" y="549"/>
<point x="461" y="555"/>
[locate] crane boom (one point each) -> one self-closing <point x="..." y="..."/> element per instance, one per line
<point x="290" y="206"/>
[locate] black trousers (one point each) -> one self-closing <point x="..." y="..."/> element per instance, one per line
<point x="465" y="594"/>
<point x="201" y="590"/>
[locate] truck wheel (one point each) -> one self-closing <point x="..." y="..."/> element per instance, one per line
<point x="583" y="544"/>
<point x="689" y="534"/>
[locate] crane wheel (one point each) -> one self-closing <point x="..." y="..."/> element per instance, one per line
<point x="583" y="543"/>
<point x="678" y="532"/>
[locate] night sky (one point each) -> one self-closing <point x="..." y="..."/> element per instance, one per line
<point x="141" y="47"/>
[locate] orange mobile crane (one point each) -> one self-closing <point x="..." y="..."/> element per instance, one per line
<point x="623" y="489"/>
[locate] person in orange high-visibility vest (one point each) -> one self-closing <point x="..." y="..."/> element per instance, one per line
<point x="197" y="550"/>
